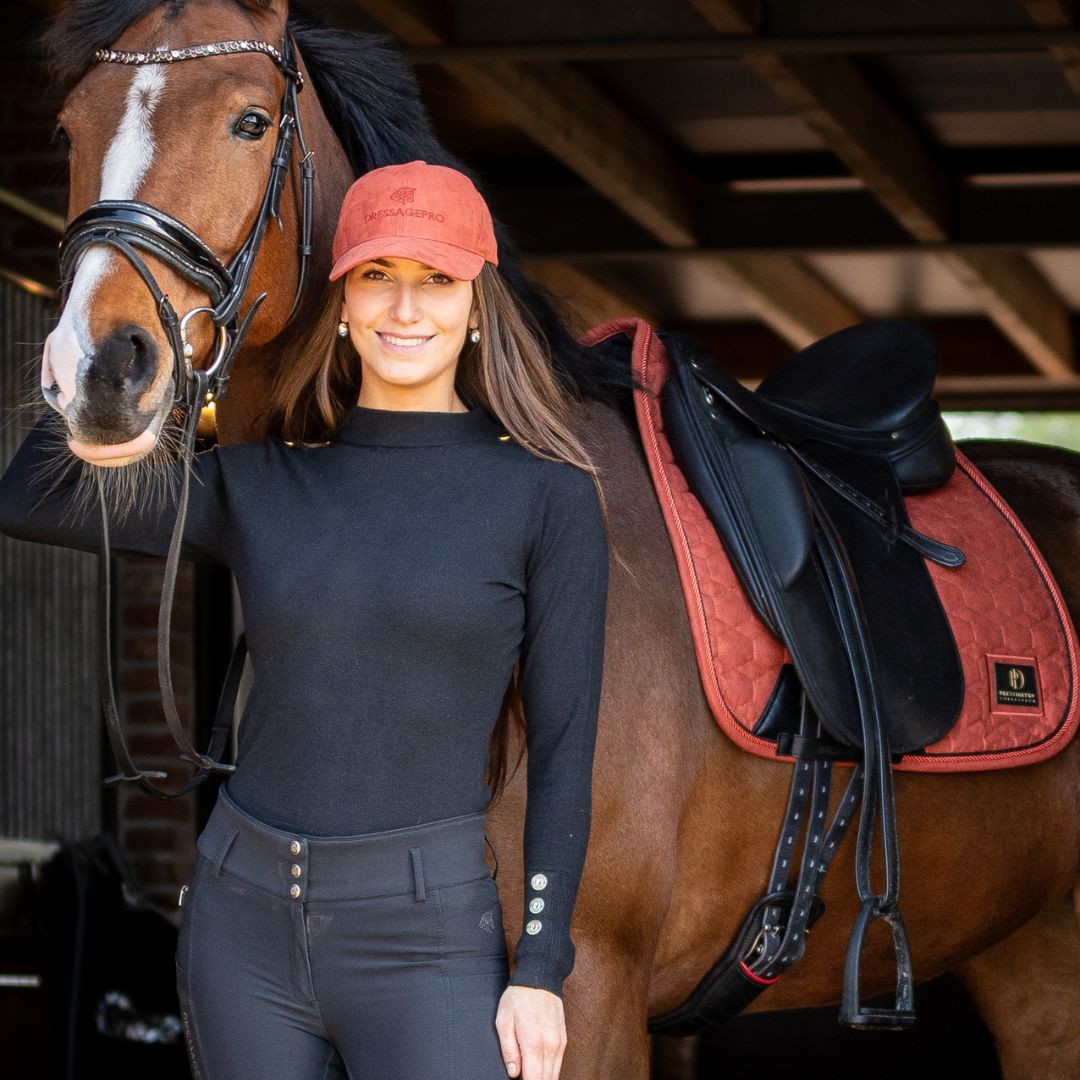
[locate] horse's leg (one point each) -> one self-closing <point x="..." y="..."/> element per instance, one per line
<point x="1013" y="985"/>
<point x="605" y="1021"/>
<point x="675" y="1057"/>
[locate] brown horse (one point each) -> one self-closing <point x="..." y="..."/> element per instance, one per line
<point x="684" y="824"/>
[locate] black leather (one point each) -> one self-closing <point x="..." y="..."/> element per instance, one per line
<point x="759" y="497"/>
<point x="876" y="376"/>
<point x="780" y="717"/>
<point x="866" y="388"/>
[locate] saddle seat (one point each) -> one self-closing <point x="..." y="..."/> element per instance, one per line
<point x="872" y="377"/>
<point x="867" y="388"/>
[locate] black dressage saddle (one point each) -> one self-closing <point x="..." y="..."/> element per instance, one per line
<point x="804" y="481"/>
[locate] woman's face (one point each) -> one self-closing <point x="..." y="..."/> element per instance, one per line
<point x="407" y="321"/>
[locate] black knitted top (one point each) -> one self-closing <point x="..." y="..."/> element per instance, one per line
<point x="389" y="582"/>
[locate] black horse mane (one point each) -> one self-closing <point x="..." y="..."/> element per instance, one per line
<point x="372" y="101"/>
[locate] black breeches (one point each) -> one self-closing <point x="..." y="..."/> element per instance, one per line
<point x="377" y="957"/>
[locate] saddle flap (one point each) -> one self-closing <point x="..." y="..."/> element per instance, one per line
<point x="776" y="501"/>
<point x="757" y="501"/>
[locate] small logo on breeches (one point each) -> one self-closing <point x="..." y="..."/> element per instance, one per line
<point x="487" y="922"/>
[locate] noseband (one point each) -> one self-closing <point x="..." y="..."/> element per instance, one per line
<point x="132" y="227"/>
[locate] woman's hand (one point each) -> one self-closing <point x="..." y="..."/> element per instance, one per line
<point x="532" y="1032"/>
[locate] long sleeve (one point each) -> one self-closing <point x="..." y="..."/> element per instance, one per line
<point x="562" y="668"/>
<point x="43" y="500"/>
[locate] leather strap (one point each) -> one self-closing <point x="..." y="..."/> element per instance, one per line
<point x="773" y="934"/>
<point x="132" y="228"/>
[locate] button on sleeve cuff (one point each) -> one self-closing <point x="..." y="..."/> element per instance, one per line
<point x="544" y="955"/>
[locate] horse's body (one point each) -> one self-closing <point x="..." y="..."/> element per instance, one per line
<point x="684" y="824"/>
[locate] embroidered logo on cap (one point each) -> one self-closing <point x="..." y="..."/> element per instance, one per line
<point x="403" y="194"/>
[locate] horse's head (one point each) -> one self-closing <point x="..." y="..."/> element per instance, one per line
<point x="193" y="139"/>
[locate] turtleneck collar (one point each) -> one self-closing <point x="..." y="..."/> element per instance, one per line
<point x="364" y="426"/>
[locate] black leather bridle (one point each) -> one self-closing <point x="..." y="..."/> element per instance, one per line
<point x="132" y="227"/>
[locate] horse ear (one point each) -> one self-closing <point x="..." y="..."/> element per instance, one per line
<point x="277" y="11"/>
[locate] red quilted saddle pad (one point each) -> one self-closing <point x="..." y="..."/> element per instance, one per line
<point x="1016" y="640"/>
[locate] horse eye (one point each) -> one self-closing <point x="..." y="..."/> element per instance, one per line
<point x="60" y="137"/>
<point x="251" y="125"/>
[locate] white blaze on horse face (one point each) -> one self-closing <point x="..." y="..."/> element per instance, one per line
<point x="123" y="169"/>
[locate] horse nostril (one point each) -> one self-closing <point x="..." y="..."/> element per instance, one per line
<point x="126" y="359"/>
<point x="142" y="356"/>
<point x="141" y="346"/>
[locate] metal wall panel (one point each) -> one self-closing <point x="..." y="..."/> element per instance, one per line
<point x="50" y="716"/>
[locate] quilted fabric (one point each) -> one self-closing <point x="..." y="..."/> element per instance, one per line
<point x="1002" y="604"/>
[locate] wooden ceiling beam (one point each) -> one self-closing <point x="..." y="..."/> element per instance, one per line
<point x="1021" y="303"/>
<point x="28" y="284"/>
<point x="588" y="298"/>
<point x="35" y="211"/>
<point x="557" y="106"/>
<point x="1058" y="15"/>
<point x="563" y="112"/>
<point x="833" y="99"/>
<point x="862" y="129"/>
<point x="733" y="47"/>
<point x="736" y="17"/>
<point x="789" y="297"/>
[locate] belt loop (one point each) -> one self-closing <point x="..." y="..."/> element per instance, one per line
<point x="494" y="855"/>
<point x="418" y="873"/>
<point x="219" y="858"/>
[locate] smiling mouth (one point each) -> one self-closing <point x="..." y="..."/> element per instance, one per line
<point x="403" y="342"/>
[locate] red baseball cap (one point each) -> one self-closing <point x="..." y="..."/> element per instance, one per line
<point x="416" y="211"/>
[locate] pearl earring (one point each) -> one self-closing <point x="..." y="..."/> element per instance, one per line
<point x="343" y="329"/>
<point x="474" y="335"/>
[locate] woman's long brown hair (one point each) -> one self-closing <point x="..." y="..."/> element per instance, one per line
<point x="509" y="372"/>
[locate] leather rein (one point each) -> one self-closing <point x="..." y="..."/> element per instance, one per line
<point x="132" y="227"/>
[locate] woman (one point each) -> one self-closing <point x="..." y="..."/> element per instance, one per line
<point x="397" y="552"/>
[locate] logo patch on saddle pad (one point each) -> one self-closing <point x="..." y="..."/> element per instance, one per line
<point x="487" y="921"/>
<point x="1015" y="683"/>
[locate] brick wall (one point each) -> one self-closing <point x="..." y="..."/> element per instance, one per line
<point x="30" y="166"/>
<point x="158" y="834"/>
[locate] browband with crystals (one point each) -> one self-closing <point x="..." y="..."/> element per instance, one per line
<point x="194" y="52"/>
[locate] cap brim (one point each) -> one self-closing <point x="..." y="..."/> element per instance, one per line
<point x="455" y="261"/>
